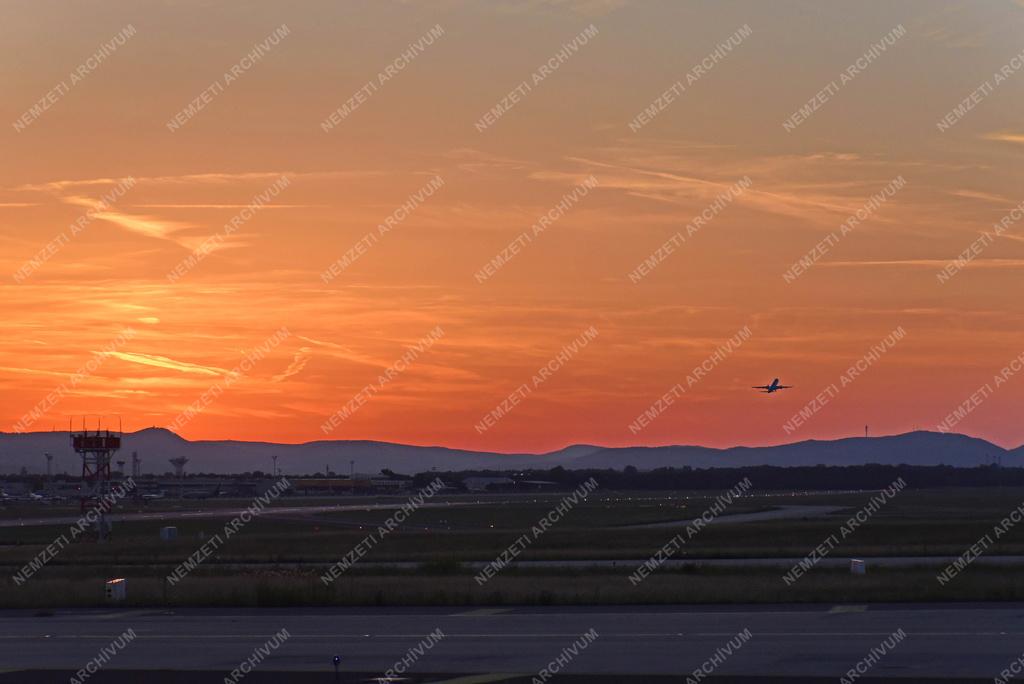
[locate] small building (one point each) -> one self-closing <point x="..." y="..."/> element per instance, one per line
<point x="320" y="486"/>
<point x="390" y="483"/>
<point x="484" y="484"/>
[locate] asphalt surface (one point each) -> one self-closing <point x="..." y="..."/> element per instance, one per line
<point x="970" y="641"/>
<point x="226" y="512"/>
<point x="625" y="566"/>
<point x="780" y="513"/>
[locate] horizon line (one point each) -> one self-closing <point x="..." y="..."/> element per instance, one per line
<point x="541" y="453"/>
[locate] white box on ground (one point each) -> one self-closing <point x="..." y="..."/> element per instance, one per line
<point x="117" y="589"/>
<point x="858" y="567"/>
<point x="168" y="533"/>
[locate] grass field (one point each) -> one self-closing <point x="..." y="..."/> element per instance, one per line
<point x="914" y="523"/>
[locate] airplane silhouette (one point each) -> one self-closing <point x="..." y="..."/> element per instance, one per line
<point x="774" y="387"/>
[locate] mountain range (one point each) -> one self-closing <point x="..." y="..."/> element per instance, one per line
<point x="156" y="445"/>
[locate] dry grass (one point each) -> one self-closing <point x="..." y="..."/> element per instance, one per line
<point x="426" y="588"/>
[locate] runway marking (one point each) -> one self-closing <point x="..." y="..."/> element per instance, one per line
<point x="479" y="679"/>
<point x="482" y="612"/>
<point x="123" y="614"/>
<point x="637" y="635"/>
<point x="847" y="609"/>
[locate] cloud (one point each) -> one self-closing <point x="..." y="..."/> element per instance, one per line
<point x="985" y="196"/>
<point x="213" y="178"/>
<point x="343" y="352"/>
<point x="165" y="362"/>
<point x="980" y="262"/>
<point x="585" y="7"/>
<point x="1017" y="138"/>
<point x="302" y="357"/>
<point x="156" y="227"/>
<point x="472" y="160"/>
<point x="149" y="226"/>
<point x="525" y="7"/>
<point x="224" y="206"/>
<point x="33" y="371"/>
<point x="667" y="179"/>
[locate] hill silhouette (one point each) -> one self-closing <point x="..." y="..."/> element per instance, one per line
<point x="157" y="445"/>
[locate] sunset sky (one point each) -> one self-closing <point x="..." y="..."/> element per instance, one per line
<point x="420" y="122"/>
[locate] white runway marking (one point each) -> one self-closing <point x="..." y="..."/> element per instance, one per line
<point x="848" y="609"/>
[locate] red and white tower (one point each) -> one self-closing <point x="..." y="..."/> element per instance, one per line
<point x="96" y="448"/>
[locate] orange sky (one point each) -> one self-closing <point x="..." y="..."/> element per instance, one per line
<point x="191" y="334"/>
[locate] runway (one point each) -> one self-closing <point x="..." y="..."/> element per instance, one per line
<point x="779" y="513"/>
<point x="962" y="641"/>
<point x="226" y="513"/>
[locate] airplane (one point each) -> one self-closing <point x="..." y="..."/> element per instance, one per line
<point x="20" y="498"/>
<point x="774" y="387"/>
<point x="150" y="497"/>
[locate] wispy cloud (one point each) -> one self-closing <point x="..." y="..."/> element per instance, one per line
<point x="167" y="363"/>
<point x="223" y="206"/>
<point x="976" y="263"/>
<point x="584" y="7"/>
<point x="1009" y="137"/>
<point x="213" y="178"/>
<point x="978" y="195"/>
<point x="342" y="352"/>
<point x="472" y="160"/>
<point x="149" y="226"/>
<point x="33" y="371"/>
<point x="302" y="357"/>
<point x="670" y="180"/>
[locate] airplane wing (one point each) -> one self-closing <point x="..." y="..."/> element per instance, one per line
<point x="784" y="387"/>
<point x="764" y="387"/>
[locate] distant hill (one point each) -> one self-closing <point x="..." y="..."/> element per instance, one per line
<point x="156" y="446"/>
<point x="913" y="448"/>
